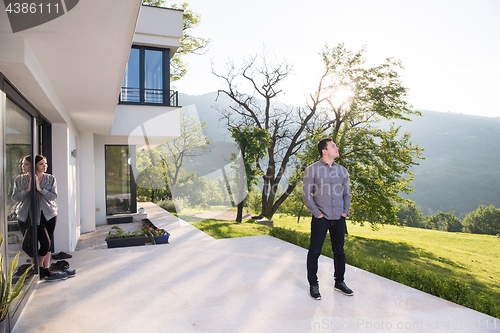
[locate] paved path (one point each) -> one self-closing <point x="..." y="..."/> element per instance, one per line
<point x="229" y="215"/>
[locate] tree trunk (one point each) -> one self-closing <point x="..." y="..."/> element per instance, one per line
<point x="239" y="214"/>
<point x="241" y="190"/>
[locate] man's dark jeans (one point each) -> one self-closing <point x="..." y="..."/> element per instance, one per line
<point x="319" y="227"/>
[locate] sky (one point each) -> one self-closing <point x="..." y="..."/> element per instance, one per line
<point x="450" y="49"/>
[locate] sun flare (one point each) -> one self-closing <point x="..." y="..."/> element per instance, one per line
<point x="342" y="96"/>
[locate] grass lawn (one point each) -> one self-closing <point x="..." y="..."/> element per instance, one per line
<point x="471" y="258"/>
<point x="230" y="229"/>
<point x="474" y="259"/>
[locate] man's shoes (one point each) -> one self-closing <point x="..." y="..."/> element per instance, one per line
<point x="63" y="266"/>
<point x="343" y="289"/>
<point x="314" y="292"/>
<point x="59" y="266"/>
<point x="57" y="276"/>
<point x="70" y="272"/>
<point x="61" y="255"/>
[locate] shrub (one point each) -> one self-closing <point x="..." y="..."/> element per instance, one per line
<point x="484" y="220"/>
<point x="175" y="205"/>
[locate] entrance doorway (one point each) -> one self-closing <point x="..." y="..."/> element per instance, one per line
<point x="120" y="184"/>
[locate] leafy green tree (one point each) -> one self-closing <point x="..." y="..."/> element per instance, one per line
<point x="189" y="44"/>
<point x="451" y="222"/>
<point x="191" y="142"/>
<point x="254" y="201"/>
<point x="484" y="220"/>
<point x="152" y="174"/>
<point x="161" y="168"/>
<point x="192" y="189"/>
<point x="252" y="142"/>
<point x="445" y="221"/>
<point x="378" y="160"/>
<point x="409" y="214"/>
<point x="294" y="205"/>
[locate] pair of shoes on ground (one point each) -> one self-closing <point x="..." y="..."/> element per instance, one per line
<point x="61" y="255"/>
<point x="59" y="266"/>
<point x="339" y="286"/>
<point x="57" y="271"/>
<point x="56" y="276"/>
<point x="62" y="266"/>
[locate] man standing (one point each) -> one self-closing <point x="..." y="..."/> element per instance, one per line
<point x="327" y="195"/>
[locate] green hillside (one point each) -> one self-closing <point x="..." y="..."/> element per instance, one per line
<point x="472" y="258"/>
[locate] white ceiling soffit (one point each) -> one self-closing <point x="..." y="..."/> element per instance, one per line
<point x="73" y="65"/>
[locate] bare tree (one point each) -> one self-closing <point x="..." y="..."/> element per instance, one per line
<point x="287" y="126"/>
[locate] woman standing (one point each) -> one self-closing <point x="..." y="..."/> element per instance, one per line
<point x="46" y="215"/>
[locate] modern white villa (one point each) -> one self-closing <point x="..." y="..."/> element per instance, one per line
<point x="85" y="90"/>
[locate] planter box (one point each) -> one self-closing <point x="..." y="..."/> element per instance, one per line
<point x="126" y="241"/>
<point x="120" y="219"/>
<point x="163" y="239"/>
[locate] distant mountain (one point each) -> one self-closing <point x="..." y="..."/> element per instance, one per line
<point x="462" y="166"/>
<point x="206" y="105"/>
<point x="461" y="170"/>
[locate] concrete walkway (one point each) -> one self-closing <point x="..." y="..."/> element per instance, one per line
<point x="251" y="284"/>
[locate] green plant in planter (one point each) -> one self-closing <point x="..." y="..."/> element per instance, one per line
<point x="153" y="230"/>
<point x="117" y="232"/>
<point x="7" y="293"/>
<point x="159" y="232"/>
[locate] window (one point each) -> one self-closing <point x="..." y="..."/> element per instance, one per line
<point x="147" y="78"/>
<point x="120" y="183"/>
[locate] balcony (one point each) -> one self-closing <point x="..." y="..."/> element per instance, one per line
<point x="154" y="97"/>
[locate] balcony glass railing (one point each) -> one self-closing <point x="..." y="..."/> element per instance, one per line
<point x="148" y="97"/>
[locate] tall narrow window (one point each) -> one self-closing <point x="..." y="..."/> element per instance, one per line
<point x="120" y="184"/>
<point x="118" y="174"/>
<point x="153" y="75"/>
<point x="131" y="88"/>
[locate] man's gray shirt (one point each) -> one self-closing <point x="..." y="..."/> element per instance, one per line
<point x="326" y="190"/>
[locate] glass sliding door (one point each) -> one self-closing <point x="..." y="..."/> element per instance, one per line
<point x="118" y="178"/>
<point x="20" y="236"/>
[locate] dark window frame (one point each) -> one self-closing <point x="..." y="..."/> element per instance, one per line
<point x="170" y="97"/>
<point x="133" y="184"/>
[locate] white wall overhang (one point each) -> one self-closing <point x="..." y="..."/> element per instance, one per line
<point x="71" y="68"/>
<point x="159" y="27"/>
<point x="146" y="126"/>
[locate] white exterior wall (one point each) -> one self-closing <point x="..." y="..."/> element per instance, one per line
<point x="64" y="168"/>
<point x="85" y="156"/>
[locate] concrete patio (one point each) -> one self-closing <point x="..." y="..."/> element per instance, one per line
<point x="252" y="284"/>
